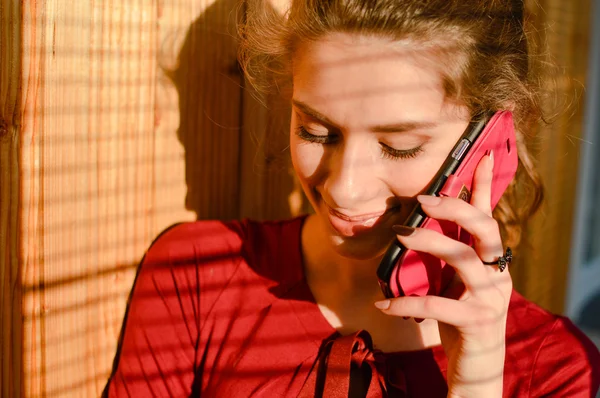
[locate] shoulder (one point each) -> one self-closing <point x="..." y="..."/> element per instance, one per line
<point x="217" y="249"/>
<point x="199" y="238"/>
<point x="273" y="248"/>
<point x="555" y="357"/>
<point x="212" y="237"/>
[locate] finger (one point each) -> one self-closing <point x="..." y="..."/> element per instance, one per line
<point x="483" y="228"/>
<point x="442" y="309"/>
<point x="481" y="195"/>
<point x="457" y="254"/>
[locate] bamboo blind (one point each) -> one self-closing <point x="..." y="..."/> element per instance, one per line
<point x="121" y="117"/>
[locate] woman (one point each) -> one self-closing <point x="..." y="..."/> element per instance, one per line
<point x="381" y="90"/>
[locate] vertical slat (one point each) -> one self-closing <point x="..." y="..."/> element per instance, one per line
<point x="87" y="135"/>
<point x="252" y="172"/>
<point x="10" y="285"/>
<point x="203" y="72"/>
<point x="542" y="270"/>
<point x="109" y="87"/>
<point x="266" y="175"/>
<point x="269" y="189"/>
<point x="29" y="259"/>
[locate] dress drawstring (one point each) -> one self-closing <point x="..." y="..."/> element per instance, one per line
<point x="330" y="376"/>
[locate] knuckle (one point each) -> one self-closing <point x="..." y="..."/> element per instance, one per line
<point x="454" y="202"/>
<point x="486" y="224"/>
<point x="460" y="208"/>
<point x="492" y="224"/>
<point x="466" y="254"/>
<point x="420" y="238"/>
<point x="490" y="314"/>
<point x="428" y="304"/>
<point x="395" y="306"/>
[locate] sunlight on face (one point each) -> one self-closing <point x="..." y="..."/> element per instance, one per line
<point x="370" y="128"/>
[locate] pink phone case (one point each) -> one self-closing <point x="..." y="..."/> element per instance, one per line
<point x="422" y="274"/>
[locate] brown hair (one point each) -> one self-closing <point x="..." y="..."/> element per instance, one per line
<point x="484" y="50"/>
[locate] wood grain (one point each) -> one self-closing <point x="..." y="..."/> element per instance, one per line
<point x="119" y="118"/>
<point x="208" y="86"/>
<point x="11" y="343"/>
<point x="269" y="188"/>
<point x="541" y="272"/>
<point x="128" y="119"/>
<point x="102" y="171"/>
<point x="86" y="160"/>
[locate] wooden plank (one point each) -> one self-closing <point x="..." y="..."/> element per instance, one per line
<point x="269" y="189"/>
<point x="101" y="170"/>
<point x="10" y="287"/>
<point x="541" y="272"/>
<point x="87" y="135"/>
<point x="102" y="166"/>
<point x="208" y="86"/>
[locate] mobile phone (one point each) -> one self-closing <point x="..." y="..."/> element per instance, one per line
<point x="405" y="272"/>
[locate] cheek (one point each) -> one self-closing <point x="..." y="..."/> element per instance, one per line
<point x="410" y="178"/>
<point x="306" y="159"/>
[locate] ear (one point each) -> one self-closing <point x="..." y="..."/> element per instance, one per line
<point x="509" y="106"/>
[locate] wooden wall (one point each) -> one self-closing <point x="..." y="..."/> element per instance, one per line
<point x="121" y="117"/>
<point x="10" y="241"/>
<point x="563" y="31"/>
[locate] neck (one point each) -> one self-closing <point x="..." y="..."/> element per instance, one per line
<point x="345" y="290"/>
<point x="324" y="266"/>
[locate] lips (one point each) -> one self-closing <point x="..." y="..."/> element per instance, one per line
<point x="351" y="226"/>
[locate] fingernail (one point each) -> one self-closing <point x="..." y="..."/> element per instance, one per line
<point x="429" y="200"/>
<point x="403" y="230"/>
<point x="492" y="160"/>
<point x="383" y="305"/>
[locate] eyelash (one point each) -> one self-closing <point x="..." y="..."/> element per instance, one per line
<point x="387" y="152"/>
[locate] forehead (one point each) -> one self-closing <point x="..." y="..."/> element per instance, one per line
<point x="362" y="80"/>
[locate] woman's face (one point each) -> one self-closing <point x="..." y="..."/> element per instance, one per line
<point x="370" y="128"/>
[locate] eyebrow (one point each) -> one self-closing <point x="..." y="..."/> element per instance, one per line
<point x="314" y="113"/>
<point x="388" y="128"/>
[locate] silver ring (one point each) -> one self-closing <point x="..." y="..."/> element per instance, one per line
<point x="503" y="261"/>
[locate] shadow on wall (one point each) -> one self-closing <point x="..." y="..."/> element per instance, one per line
<point x="210" y="87"/>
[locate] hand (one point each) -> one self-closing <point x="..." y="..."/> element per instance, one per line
<point x="472" y="326"/>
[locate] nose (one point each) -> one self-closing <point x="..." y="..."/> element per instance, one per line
<point x="351" y="181"/>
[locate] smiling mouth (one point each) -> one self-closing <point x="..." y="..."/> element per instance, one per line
<point x="362" y="217"/>
<point x="350" y="226"/>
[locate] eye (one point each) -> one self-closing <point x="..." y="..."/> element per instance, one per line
<point x="387" y="152"/>
<point x="315" y="138"/>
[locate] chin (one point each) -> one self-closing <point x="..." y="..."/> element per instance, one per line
<point x="366" y="240"/>
<point x="367" y="245"/>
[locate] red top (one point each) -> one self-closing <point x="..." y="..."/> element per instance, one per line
<point x="223" y="310"/>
